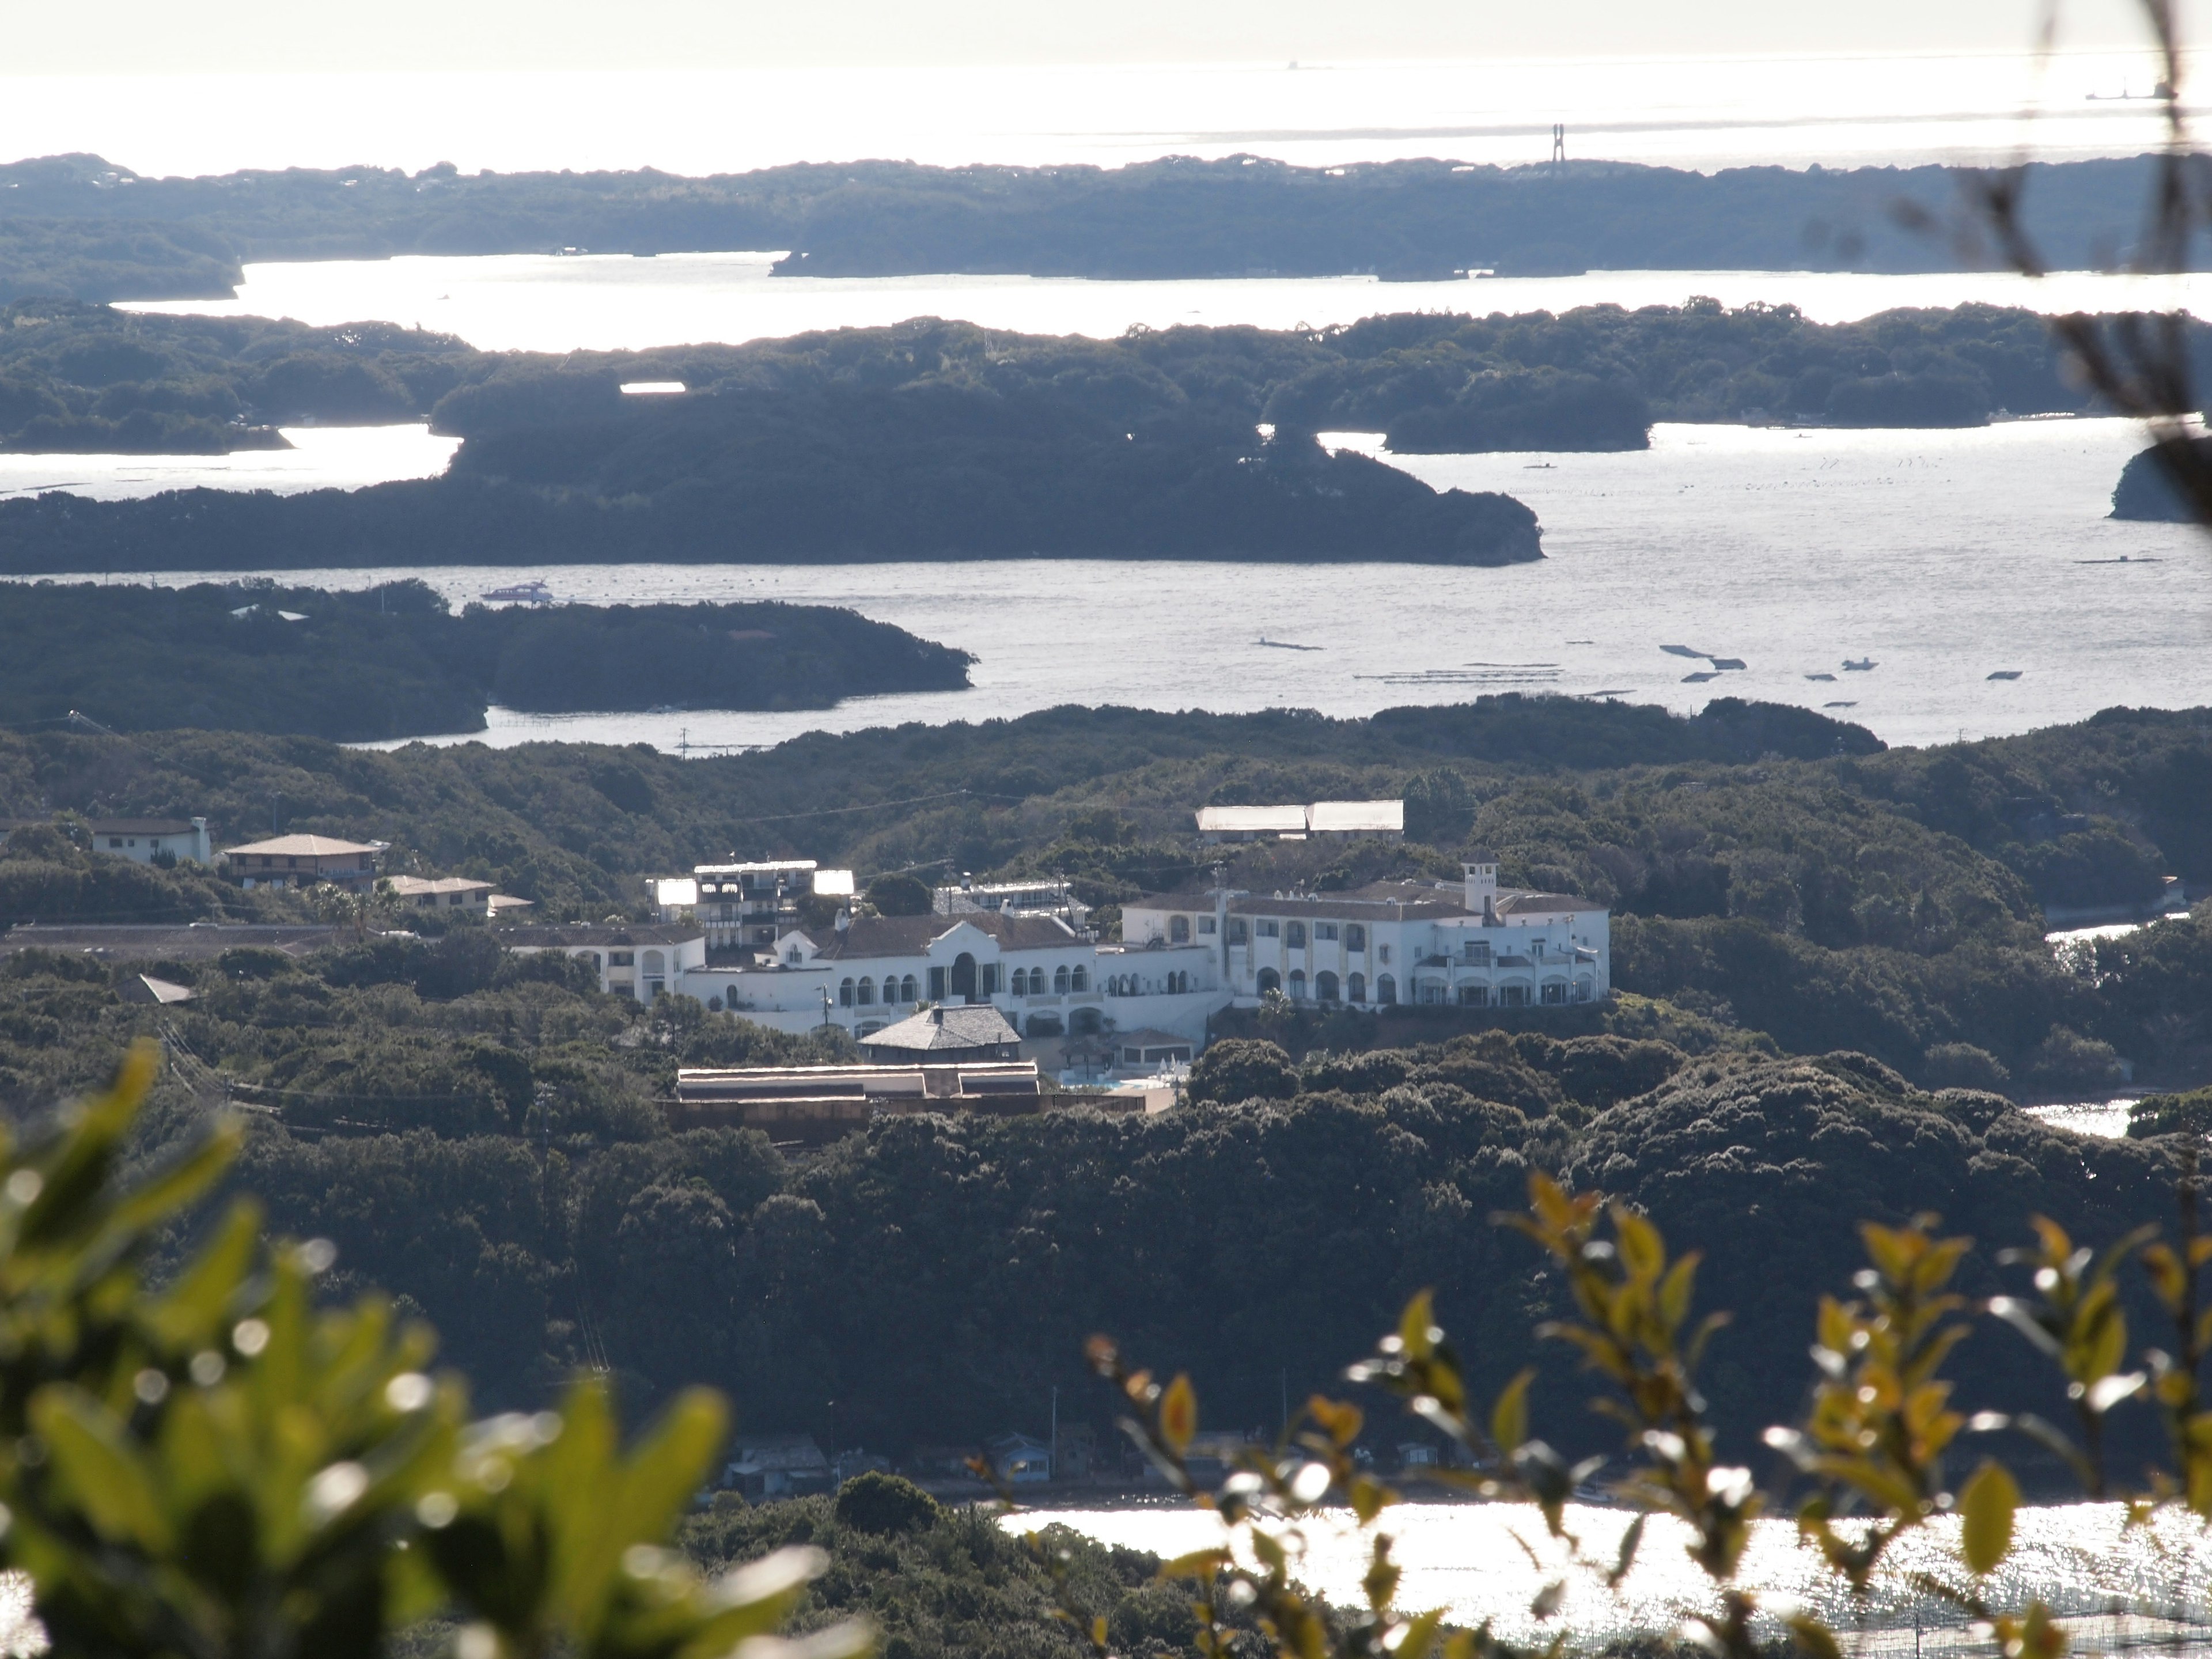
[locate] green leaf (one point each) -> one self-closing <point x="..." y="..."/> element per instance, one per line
<point x="1986" y="1507"/>
<point x="1508" y="1418"/>
<point x="93" y="1452"/>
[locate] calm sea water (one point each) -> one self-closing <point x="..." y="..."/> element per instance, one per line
<point x="1488" y="1562"/>
<point x="1942" y="557"/>
<point x="1706" y="112"/>
<point x="549" y="303"/>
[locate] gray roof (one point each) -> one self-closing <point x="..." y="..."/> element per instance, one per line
<point x="912" y="936"/>
<point x="191" y="942"/>
<point x="139" y="827"/>
<point x="979" y="1026"/>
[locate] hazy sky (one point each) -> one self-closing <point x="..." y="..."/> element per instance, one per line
<point x="159" y="36"/>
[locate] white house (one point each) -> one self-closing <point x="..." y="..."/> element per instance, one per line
<point x="747" y="905"/>
<point x="1396" y="942"/>
<point x="142" y="840"/>
<point x="633" y="959"/>
<point x="1329" y="820"/>
<point x="441" y="893"/>
<point x="1037" y="971"/>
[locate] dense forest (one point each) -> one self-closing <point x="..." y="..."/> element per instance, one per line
<point x="392" y="661"/>
<point x="482" y="1135"/>
<point x="80" y="227"/>
<point x="936" y="439"/>
<point x="1770" y="872"/>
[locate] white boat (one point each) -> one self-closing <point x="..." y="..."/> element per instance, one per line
<point x="1864" y="666"/>
<point x="533" y="592"/>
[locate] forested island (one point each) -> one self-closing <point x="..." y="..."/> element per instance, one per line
<point x="944" y="440"/>
<point x="80" y="227"/>
<point x="1830" y="958"/>
<point x="393" y="661"/>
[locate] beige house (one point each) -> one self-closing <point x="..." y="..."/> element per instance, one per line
<point x="442" y="893"/>
<point x="303" y="862"/>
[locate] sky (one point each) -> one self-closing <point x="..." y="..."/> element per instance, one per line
<point x="159" y="37"/>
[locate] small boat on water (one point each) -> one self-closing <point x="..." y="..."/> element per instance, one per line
<point x="533" y="592"/>
<point x="2007" y="674"/>
<point x="1820" y="677"/>
<point x="1284" y="645"/>
<point x="1864" y="666"/>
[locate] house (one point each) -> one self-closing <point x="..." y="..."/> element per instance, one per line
<point x="1020" y="1461"/>
<point x="744" y="906"/>
<point x="943" y="1034"/>
<point x="1330" y="820"/>
<point x="445" y="893"/>
<point x="778" y="1466"/>
<point x="304" y="861"/>
<point x="633" y="959"/>
<point x="145" y="840"/>
<point x="1149" y="1051"/>
<point x="1054" y="897"/>
<point x="1466" y="944"/>
<point x="1235" y="824"/>
<point x="142" y="840"/>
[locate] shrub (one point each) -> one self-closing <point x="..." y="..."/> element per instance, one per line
<point x="1235" y="1071"/>
<point x="885" y="1503"/>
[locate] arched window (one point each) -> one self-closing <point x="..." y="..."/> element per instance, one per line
<point x="1356" y="987"/>
<point x="1584" y="990"/>
<point x="1325" y="987"/>
<point x="867" y="996"/>
<point x="1297" y="985"/>
<point x="1081" y="977"/>
<point x="1355" y="940"/>
<point x="906" y="989"/>
<point x="1475" y="996"/>
<point x="1386" y="990"/>
<point x="1513" y="996"/>
<point x="1060" y="980"/>
<point x="1429" y="990"/>
<point x="1269" y="981"/>
<point x="845" y="995"/>
<point x="1294" y="936"/>
<point x="1555" y="991"/>
<point x="1179" y="930"/>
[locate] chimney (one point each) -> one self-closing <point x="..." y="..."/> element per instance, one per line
<point x="1481" y="884"/>
<point x="844" y="920"/>
<point x="202" y="853"/>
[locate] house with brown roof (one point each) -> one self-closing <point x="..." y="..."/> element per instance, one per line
<point x="304" y="861"/>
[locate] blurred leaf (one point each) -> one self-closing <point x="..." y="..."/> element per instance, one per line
<point x="1985" y="1509"/>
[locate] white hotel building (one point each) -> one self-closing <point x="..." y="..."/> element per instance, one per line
<point x="1182" y="959"/>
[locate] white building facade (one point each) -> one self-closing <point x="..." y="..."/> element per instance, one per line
<point x="1471" y="946"/>
<point x="1044" y="976"/>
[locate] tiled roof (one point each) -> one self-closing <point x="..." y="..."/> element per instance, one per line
<point x="980" y="1026"/>
<point x="416" y="886"/>
<point x="300" y="847"/>
<point x="912" y="936"/>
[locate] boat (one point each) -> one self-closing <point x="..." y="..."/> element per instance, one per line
<point x="1864" y="665"/>
<point x="1839" y="705"/>
<point x="2007" y="674"/>
<point x="1284" y="645"/>
<point x="1701" y="677"/>
<point x="1820" y="677"/>
<point x="533" y="592"/>
<point x="1726" y="662"/>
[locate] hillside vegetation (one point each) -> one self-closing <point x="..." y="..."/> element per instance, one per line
<point x="1770" y="871"/>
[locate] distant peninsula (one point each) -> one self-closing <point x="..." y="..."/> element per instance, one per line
<point x="80" y="227"/>
<point x="395" y="662"/>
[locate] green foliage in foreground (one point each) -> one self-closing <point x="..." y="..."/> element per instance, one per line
<point x="392" y="662"/>
<point x="225" y="1467"/>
